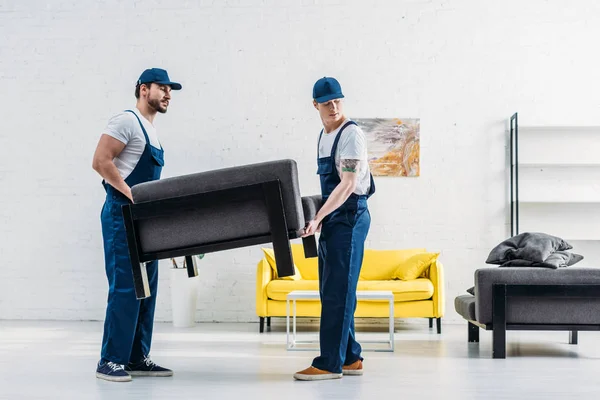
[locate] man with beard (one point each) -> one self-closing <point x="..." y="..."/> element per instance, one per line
<point x="129" y="153"/>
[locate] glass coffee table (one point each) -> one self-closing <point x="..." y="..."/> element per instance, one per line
<point x="291" y="337"/>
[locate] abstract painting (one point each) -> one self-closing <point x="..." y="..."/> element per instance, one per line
<point x="393" y="145"/>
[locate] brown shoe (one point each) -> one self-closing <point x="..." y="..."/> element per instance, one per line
<point x="356" y="368"/>
<point x="314" y="374"/>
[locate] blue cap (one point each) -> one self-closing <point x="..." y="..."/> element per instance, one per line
<point x="157" y="75"/>
<point x="327" y="89"/>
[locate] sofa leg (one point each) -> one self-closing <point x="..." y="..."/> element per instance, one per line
<point x="278" y="228"/>
<point x="262" y="324"/>
<point x="473" y="333"/>
<point x="430" y="323"/>
<point x="438" y="323"/>
<point x="572" y="337"/>
<point x="499" y="345"/>
<point x="268" y="322"/>
<point x="499" y="321"/>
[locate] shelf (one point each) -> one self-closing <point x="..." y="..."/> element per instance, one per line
<point x="559" y="129"/>
<point x="558" y="165"/>
<point x="559" y="202"/>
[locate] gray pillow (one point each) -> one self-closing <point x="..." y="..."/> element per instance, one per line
<point x="530" y="246"/>
<point x="563" y="259"/>
<point x="558" y="259"/>
<point x="527" y="263"/>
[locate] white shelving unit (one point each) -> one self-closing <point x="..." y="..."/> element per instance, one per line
<point x="555" y="181"/>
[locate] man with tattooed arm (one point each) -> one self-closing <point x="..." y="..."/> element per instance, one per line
<point x="344" y="221"/>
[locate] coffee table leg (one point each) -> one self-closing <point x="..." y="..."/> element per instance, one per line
<point x="294" y="321"/>
<point x="392" y="323"/>
<point x="287" y="323"/>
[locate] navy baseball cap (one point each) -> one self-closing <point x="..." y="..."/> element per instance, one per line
<point x="157" y="75"/>
<point x="326" y="89"/>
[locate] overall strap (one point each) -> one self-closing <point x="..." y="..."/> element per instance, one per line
<point x="319" y="142"/>
<point x="339" y="135"/>
<point x="141" y="126"/>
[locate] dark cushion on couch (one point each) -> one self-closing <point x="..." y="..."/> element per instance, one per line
<point x="465" y="306"/>
<point x="224" y="221"/>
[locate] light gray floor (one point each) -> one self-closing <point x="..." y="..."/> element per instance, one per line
<point x="233" y="361"/>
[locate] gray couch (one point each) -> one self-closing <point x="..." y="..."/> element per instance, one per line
<point x="218" y="210"/>
<point x="529" y="298"/>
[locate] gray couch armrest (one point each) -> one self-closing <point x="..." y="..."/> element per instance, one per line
<point x="537" y="310"/>
<point x="311" y="205"/>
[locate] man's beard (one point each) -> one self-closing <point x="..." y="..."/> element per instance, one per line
<point x="155" y="103"/>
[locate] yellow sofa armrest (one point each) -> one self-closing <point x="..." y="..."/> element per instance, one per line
<point x="436" y="275"/>
<point x="264" y="275"/>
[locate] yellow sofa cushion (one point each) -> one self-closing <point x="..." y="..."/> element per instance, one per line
<point x="414" y="266"/>
<point x="380" y="265"/>
<point x="308" y="267"/>
<point x="418" y="289"/>
<point x="270" y="256"/>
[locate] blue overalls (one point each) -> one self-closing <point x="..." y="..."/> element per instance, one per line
<point x="129" y="321"/>
<point x="341" y="249"/>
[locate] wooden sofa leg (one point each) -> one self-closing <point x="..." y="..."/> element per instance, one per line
<point x="430" y="323"/>
<point x="572" y="337"/>
<point x="438" y="323"/>
<point x="278" y="228"/>
<point x="499" y="343"/>
<point x="499" y="321"/>
<point x="309" y="244"/>
<point x="262" y="324"/>
<point x="192" y="268"/>
<point x="473" y="333"/>
<point x="268" y="322"/>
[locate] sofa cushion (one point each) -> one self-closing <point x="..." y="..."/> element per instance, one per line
<point x="418" y="289"/>
<point x="465" y="306"/>
<point x="414" y="266"/>
<point x="270" y="256"/>
<point x="221" y="221"/>
<point x="279" y="289"/>
<point x="380" y="265"/>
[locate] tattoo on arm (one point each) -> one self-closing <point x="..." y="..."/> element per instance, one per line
<point x="350" y="165"/>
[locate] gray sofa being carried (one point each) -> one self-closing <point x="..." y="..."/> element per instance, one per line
<point x="531" y="290"/>
<point x="218" y="210"/>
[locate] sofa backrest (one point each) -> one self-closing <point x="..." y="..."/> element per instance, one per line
<point x="377" y="264"/>
<point x="380" y="265"/>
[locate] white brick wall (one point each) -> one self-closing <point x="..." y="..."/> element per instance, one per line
<point x="247" y="68"/>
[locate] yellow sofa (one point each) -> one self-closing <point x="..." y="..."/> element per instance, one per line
<point x="415" y="276"/>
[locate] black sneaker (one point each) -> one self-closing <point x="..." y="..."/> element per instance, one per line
<point x="113" y="372"/>
<point x="147" y="368"/>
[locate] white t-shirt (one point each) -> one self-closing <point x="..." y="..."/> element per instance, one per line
<point x="351" y="146"/>
<point x="125" y="128"/>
